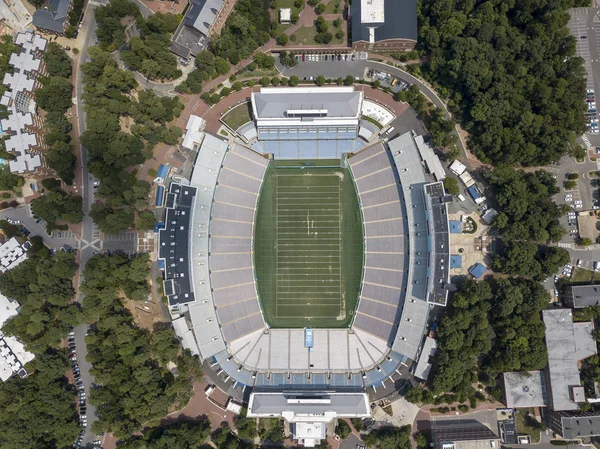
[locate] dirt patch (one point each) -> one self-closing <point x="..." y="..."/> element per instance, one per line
<point x="126" y="123"/>
<point x="145" y="313"/>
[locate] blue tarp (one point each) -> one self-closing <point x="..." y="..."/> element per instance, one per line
<point x="477" y="270"/>
<point x="163" y="171"/>
<point x="473" y="192"/>
<point x="160" y="196"/>
<point x="159" y="225"/>
<point x="455" y="261"/>
<point x="455" y="226"/>
<point x="161" y="264"/>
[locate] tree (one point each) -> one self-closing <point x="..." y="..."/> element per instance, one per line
<point x="146" y="221"/>
<point x="343" y="429"/>
<point x="348" y="81"/>
<point x="572" y="175"/>
<point x="8" y="180"/>
<point x="265" y="81"/>
<point x="570" y="185"/>
<point x="451" y="186"/>
<point x="337" y="22"/>
<point x="55" y="94"/>
<point x="51" y="183"/>
<point x="320" y="8"/>
<point x="321" y="25"/>
<point x="294" y="17"/>
<point x="466" y="45"/>
<point x="58" y="205"/>
<point x="264" y="61"/>
<point x="57" y="61"/>
<point x="320" y="80"/>
<point x="282" y="39"/>
<point x="222" y="66"/>
<point x="339" y="34"/>
<point x="585" y="241"/>
<point x="112" y="221"/>
<point x="293" y="82"/>
<point x="41" y="401"/>
<point x="298" y="4"/>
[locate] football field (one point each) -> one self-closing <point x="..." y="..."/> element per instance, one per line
<point x="301" y="242"/>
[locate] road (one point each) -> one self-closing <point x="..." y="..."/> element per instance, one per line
<point x="89" y="231"/>
<point x="357" y="69"/>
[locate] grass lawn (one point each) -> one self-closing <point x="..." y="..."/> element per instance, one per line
<point x="306" y="36"/>
<point x="281" y="27"/>
<point x="330" y="7"/>
<point x="288" y="4"/>
<point x="308" y="246"/>
<point x="522" y="427"/>
<point x="583" y="275"/>
<point x="238" y="116"/>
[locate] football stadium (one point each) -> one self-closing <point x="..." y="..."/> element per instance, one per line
<point x="302" y="259"/>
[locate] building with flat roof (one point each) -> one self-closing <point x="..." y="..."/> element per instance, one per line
<point x="309" y="413"/>
<point x="567" y="343"/>
<point x="11" y="254"/>
<point x="526" y="389"/>
<point x="575" y="425"/>
<point x="579" y="296"/>
<point x="174" y="244"/>
<point x="285" y="15"/>
<point x="298" y="113"/>
<point x="193" y="133"/>
<point x="22" y="124"/>
<point x="463" y="434"/>
<point x="53" y="19"/>
<point x="192" y="34"/>
<point x="13" y="355"/>
<point x="424" y="365"/>
<point x="383" y="25"/>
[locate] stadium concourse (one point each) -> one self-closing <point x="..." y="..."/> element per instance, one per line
<point x="206" y="250"/>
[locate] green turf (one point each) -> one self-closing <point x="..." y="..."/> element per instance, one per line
<point x="308" y="245"/>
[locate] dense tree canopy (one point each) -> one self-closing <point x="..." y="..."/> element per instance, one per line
<point x="55" y="94"/>
<point x="57" y="61"/>
<point x="43" y="287"/>
<point x="129" y="362"/>
<point x="511" y="73"/>
<point x="60" y="155"/>
<point x="179" y="435"/>
<point x="149" y="54"/>
<point x="111" y="32"/>
<point x="490" y="328"/>
<point x="527" y="211"/>
<point x="39" y="410"/>
<point x="107" y="96"/>
<point x="58" y="205"/>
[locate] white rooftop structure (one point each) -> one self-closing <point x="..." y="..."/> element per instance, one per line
<point x="193" y="133"/>
<point x="372" y="11"/>
<point x="567" y="344"/>
<point x="20" y="103"/>
<point x="430" y="158"/>
<point x="12" y="352"/>
<point x="457" y="168"/>
<point x="306" y="108"/>
<point x="202" y="315"/>
<point x="424" y="365"/>
<point x="525" y="389"/>
<point x="11" y="254"/>
<point x="285" y="15"/>
<point x="309" y="412"/>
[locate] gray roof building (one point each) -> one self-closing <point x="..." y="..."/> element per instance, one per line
<point x="462" y="434"/>
<point x="579" y="296"/>
<point x="567" y="344"/>
<point x="572" y="426"/>
<point x="192" y="34"/>
<point x="54" y="18"/>
<point x="380" y="20"/>
<point x="282" y="103"/>
<point x="525" y="389"/>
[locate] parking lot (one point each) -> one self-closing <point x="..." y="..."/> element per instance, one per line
<point x="584" y="25"/>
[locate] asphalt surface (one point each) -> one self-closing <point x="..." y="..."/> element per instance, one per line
<point x="585" y="26"/>
<point x="89" y="230"/>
